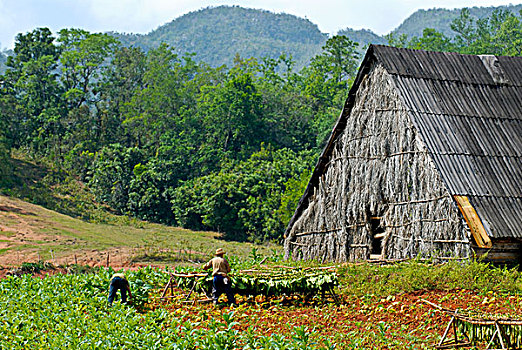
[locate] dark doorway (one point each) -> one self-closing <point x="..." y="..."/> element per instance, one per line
<point x="377" y="234"/>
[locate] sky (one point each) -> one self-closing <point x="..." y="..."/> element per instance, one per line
<point x="143" y="16"/>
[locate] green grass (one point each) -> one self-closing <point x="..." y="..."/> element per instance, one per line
<point x="358" y="279"/>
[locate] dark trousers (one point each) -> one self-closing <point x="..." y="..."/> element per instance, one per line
<point x="118" y="283"/>
<point x="219" y="287"/>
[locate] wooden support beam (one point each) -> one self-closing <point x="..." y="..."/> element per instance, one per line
<point x="474" y="223"/>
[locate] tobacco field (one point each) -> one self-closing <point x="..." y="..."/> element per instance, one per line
<point x="380" y="308"/>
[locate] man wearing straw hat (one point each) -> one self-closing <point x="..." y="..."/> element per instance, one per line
<point x="221" y="281"/>
<point x="119" y="282"/>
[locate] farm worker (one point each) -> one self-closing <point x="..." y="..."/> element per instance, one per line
<point x="221" y="282"/>
<point x="119" y="282"/>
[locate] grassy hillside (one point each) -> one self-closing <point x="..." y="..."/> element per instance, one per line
<point x="30" y="232"/>
<point x="440" y="19"/>
<point x="217" y="34"/>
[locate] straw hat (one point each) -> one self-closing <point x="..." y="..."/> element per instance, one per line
<point x="220" y="251"/>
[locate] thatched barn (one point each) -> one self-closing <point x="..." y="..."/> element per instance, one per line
<point x="424" y="160"/>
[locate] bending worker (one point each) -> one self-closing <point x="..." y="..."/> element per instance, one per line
<point x="221" y="282"/>
<point x="119" y="282"/>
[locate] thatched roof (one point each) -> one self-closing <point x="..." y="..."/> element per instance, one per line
<point x="468" y="111"/>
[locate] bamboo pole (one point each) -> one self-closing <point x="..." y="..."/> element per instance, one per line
<point x="191" y="290"/>
<point x="316" y="232"/>
<point x="166" y="288"/>
<point x="299" y="244"/>
<point x="362" y="224"/>
<point x="375" y="157"/>
<point x="189" y="275"/>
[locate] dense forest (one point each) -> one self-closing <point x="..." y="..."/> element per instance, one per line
<point x="3" y="60"/>
<point x="167" y="138"/>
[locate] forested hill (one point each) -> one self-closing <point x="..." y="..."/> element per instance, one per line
<point x="440" y="19"/>
<point x="217" y="34"/>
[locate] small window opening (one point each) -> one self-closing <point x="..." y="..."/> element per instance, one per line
<point x="377" y="234"/>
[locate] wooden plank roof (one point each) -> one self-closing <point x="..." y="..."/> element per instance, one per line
<point x="468" y="112"/>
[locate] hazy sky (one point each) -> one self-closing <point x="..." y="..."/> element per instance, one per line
<point x="142" y="16"/>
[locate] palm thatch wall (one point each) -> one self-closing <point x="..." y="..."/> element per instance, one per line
<point x="379" y="168"/>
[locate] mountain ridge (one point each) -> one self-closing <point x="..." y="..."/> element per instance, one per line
<point x="270" y="39"/>
<point x="218" y="34"/>
<point x="234" y="30"/>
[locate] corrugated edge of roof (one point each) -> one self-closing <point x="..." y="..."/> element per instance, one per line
<point x="473" y="69"/>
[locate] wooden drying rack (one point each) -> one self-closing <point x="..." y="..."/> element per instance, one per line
<point x="499" y="334"/>
<point x="172" y="283"/>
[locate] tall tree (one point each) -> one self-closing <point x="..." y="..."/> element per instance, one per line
<point x="327" y="80"/>
<point x="5" y="109"/>
<point x="82" y="58"/>
<point x="509" y="35"/>
<point x="232" y="116"/>
<point x="432" y="40"/>
<point x="156" y="108"/>
<point x="31" y="79"/>
<point x="498" y="34"/>
<point x="122" y="80"/>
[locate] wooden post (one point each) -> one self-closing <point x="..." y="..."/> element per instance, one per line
<point x="504" y="336"/>
<point x="500" y="335"/>
<point x="190" y="293"/>
<point x="492" y="339"/>
<point x="446" y="331"/>
<point x="75" y="260"/>
<point x="455" y="330"/>
<point x="107" y="259"/>
<point x="166" y="287"/>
